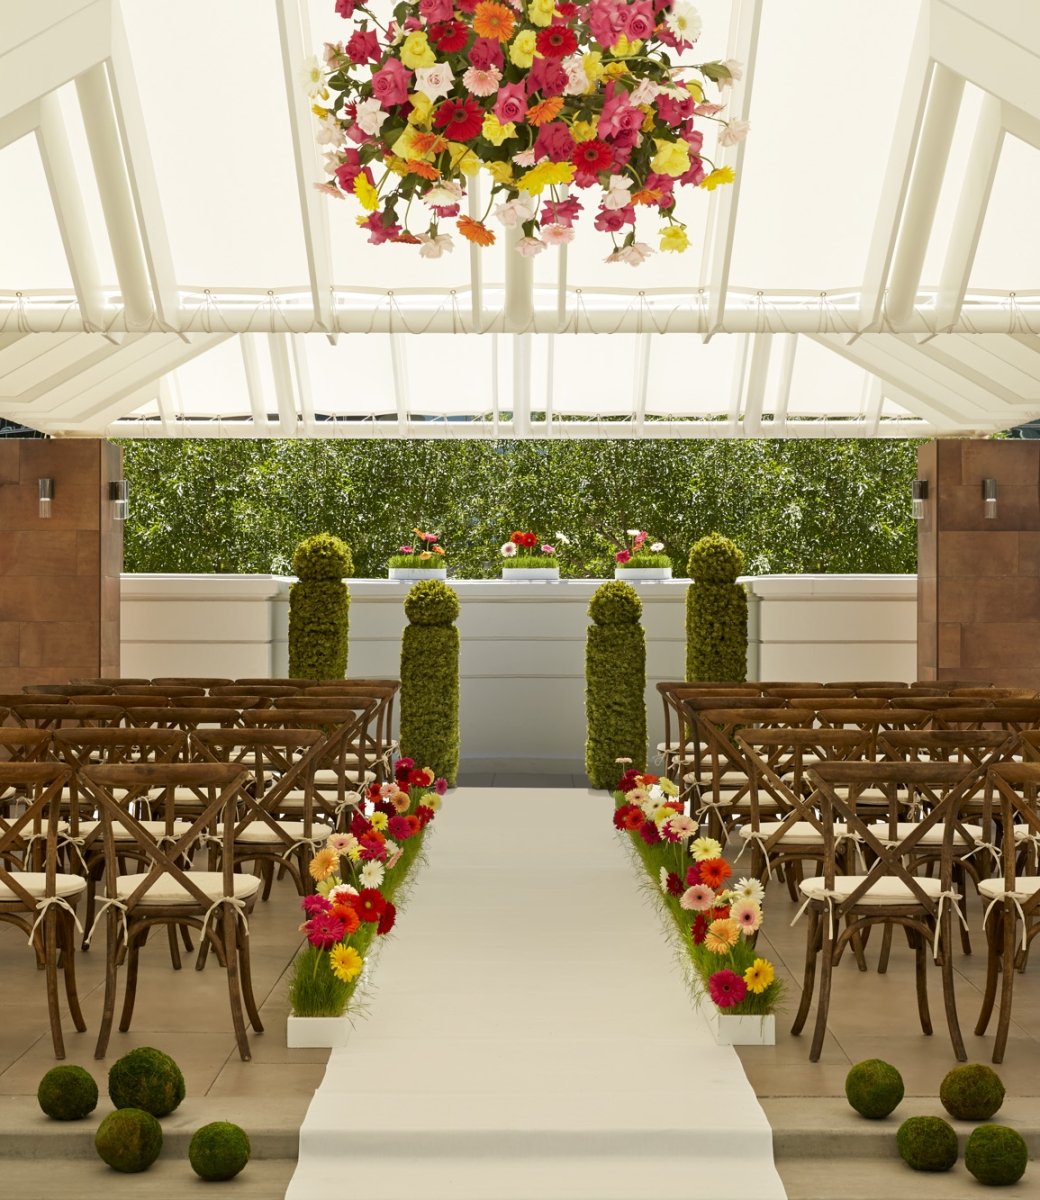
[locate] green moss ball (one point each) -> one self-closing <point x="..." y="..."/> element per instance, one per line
<point x="67" y="1093"/>
<point x="973" y="1092"/>
<point x="129" y="1140"/>
<point x="996" y="1155"/>
<point x="219" y="1150"/>
<point x="430" y="602"/>
<point x="146" y="1078"/>
<point x="615" y="603"/>
<point x="873" y="1088"/>
<point x="927" y="1143"/>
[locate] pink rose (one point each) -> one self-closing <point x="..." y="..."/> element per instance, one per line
<point x="610" y="220"/>
<point x="640" y="22"/>
<point x="548" y="76"/>
<point x="345" y="8"/>
<point x="561" y="212"/>
<point x="349" y="170"/>
<point x="673" y="111"/>
<point x="554" y="141"/>
<point x="363" y="46"/>
<point x="486" y="53"/>
<point x="390" y="83"/>
<point x="622" y="556"/>
<point x="378" y="230"/>
<point x="436" y="10"/>
<point x="511" y="104"/>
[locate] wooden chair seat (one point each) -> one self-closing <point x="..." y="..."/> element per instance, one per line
<point x="883" y="892"/>
<point x="258" y="834"/>
<point x="1025" y="887"/>
<point x="966" y="835"/>
<point x="35" y="883"/>
<point x="800" y="833"/>
<point x="170" y="892"/>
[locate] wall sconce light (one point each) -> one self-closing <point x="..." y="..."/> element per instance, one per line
<point x="989" y="499"/>
<point x="919" y="492"/>
<point x="119" y="495"/>
<point x="46" y="494"/>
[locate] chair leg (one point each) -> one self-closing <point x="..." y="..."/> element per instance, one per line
<point x="246" y="971"/>
<point x="823" y="1002"/>
<point x="994" y="932"/>
<point x="919" y="946"/>
<point x="1007" y="984"/>
<point x="130" y="986"/>
<point x="886" y="949"/>
<point x="949" y="996"/>
<point x="234" y="982"/>
<point x="50" y="954"/>
<point x="812" y="949"/>
<point x="68" y="961"/>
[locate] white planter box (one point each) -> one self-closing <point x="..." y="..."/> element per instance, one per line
<point x="530" y="572"/>
<point x="741" y="1030"/>
<point x="633" y="574"/>
<point x="303" y="1032"/>
<point x="413" y="574"/>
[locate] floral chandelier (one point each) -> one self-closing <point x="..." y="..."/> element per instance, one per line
<point x="566" y="106"/>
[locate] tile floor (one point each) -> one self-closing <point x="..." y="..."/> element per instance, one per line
<point x="187" y="1014"/>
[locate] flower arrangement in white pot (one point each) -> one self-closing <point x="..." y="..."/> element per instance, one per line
<point x="636" y="560"/>
<point x="526" y="556"/>
<point x="422" y="559"/>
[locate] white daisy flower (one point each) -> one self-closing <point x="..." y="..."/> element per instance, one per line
<point x="749" y="889"/>
<point x="372" y="874"/>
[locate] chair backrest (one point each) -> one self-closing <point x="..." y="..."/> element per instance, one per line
<point x="23" y="745"/>
<point x="185" y="717"/>
<point x="276" y="681"/>
<point x="62" y="689"/>
<point x="11" y="699"/>
<point x="57" y="716"/>
<point x="238" y="702"/>
<point x="996" y="694"/>
<point x="162" y="691"/>
<point x="31" y="837"/>
<point x="82" y="747"/>
<point x="271" y="691"/>
<point x="108" y="681"/>
<point x="1014" y="717"/>
<point x="857" y="684"/>
<point x="1016" y="788"/>
<point x="192" y="681"/>
<point x="828" y="694"/>
<point x="946" y="684"/>
<point x="978" y="747"/>
<point x="824" y="700"/>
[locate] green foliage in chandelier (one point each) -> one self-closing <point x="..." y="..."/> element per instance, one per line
<point x="430" y="679"/>
<point x="716" y="612"/>
<point x="319" y="608"/>
<point x="794" y="506"/>
<point x="615" y="683"/>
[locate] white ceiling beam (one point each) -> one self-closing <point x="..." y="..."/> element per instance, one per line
<point x="399" y="378"/>
<point x="933" y="151"/>
<point x="294" y="29"/>
<point x="58" y="361"/>
<point x="976" y="186"/>
<point x="20" y="123"/>
<point x="737" y="382"/>
<point x="518" y="311"/>
<point x="301" y="367"/>
<point x="144" y="188"/>
<point x="44" y="45"/>
<point x="745" y="26"/>
<point x="106" y="152"/>
<point x="249" y="345"/>
<point x="873" y="401"/>
<point x="285" y="393"/>
<point x="68" y="208"/>
<point x="521" y="406"/>
<point x="783" y="395"/>
<point x="896" y="183"/>
<point x="755" y="392"/>
<point x="641" y="379"/>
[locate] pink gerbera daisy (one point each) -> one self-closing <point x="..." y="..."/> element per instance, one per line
<point x="727" y="988"/>
<point x="747" y="915"/>
<point x="698" y="898"/>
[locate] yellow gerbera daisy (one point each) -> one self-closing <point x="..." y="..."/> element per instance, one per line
<point x="345" y="962"/>
<point x="379" y="821"/>
<point x="759" y="975"/>
<point x="720" y="175"/>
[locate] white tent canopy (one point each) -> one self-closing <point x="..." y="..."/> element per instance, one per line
<point x="168" y="269"/>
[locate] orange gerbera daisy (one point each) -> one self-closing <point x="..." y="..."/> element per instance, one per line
<point x="715" y="872"/>
<point x="545" y="111"/>
<point x="428" y="143"/>
<point x="722" y="936"/>
<point x="492" y="20"/>
<point x="474" y="231"/>
<point x="323" y="864"/>
<point x="415" y="167"/>
<point x="347" y="913"/>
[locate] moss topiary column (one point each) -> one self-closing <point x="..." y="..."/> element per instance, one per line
<point x="615" y="683"/>
<point x="716" y="612"/>
<point x="430" y="679"/>
<point x="319" y="608"/>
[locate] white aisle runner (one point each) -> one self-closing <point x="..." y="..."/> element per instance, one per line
<point x="530" y="1036"/>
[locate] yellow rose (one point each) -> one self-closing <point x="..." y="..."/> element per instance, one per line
<point x="623" y="48"/>
<point x="593" y="65"/>
<point x="673" y="237"/>
<point x="416" y="52"/>
<point x="695" y="90"/>
<point x="500" y="172"/>
<point x="463" y="158"/>
<point x="721" y="175"/>
<point x="672" y="158"/>
<point x="583" y="131"/>
<point x="522" y="50"/>
<point x="366" y="193"/>
<point x="422" y="109"/>
<point x="495" y="132"/>
<point x="541" y="12"/>
<point x="648" y="119"/>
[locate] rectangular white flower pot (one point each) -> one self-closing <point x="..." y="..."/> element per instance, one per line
<point x="741" y="1030"/>
<point x="413" y="574"/>
<point x="303" y="1032"/>
<point x="530" y="572"/>
<point x="632" y="574"/>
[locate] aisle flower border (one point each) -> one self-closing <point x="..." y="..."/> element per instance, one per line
<point x="362" y="877"/>
<point x="715" y="920"/>
<point x="546" y="96"/>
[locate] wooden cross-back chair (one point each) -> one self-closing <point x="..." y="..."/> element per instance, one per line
<point x="346" y="728"/>
<point x="1013" y="717"/>
<point x="783" y="828"/>
<point x="18" y="745"/>
<point x="281" y="764"/>
<point x="725" y="802"/>
<point x="276" y="681"/>
<point x="366" y="760"/>
<point x="185" y="717"/>
<point x="843" y="907"/>
<point x="1012" y="916"/>
<point x="830" y="694"/>
<point x="59" y="716"/>
<point x="35" y="896"/>
<point x="81" y="747"/>
<point x="268" y="691"/>
<point x="678" y="751"/>
<point x="385" y="745"/>
<point x="690" y="701"/>
<point x="167" y="892"/>
<point x="856" y="685"/>
<point x="193" y="681"/>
